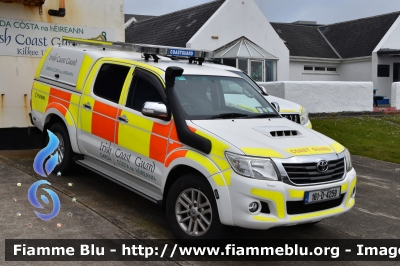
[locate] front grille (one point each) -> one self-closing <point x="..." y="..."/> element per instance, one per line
<point x="307" y="173"/>
<point x="298" y="207"/>
<point x="294" y="118"/>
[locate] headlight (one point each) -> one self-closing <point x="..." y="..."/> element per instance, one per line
<point x="252" y="167"/>
<point x="347" y="158"/>
<point x="304" y="116"/>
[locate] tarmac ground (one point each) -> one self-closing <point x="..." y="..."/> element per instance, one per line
<point x="95" y="208"/>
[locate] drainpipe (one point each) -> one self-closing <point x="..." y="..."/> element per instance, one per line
<point x="60" y="12"/>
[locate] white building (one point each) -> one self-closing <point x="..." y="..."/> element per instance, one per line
<point x="365" y="49"/>
<point x="359" y="50"/>
<point x="27" y="28"/>
<point x="235" y="28"/>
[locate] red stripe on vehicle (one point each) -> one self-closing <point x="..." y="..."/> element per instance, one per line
<point x="105" y="109"/>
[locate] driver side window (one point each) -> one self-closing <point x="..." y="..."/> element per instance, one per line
<point x="145" y="87"/>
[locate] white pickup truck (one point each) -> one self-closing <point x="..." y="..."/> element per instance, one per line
<point x="200" y="141"/>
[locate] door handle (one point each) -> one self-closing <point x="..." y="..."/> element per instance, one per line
<point x="123" y="119"/>
<point x="87" y="106"/>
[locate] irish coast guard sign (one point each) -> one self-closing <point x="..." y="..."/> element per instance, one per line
<point x="31" y="38"/>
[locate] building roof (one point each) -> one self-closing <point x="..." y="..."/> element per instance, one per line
<point x="137" y="17"/>
<point x="350" y="39"/>
<point x="242" y="48"/>
<point x="173" y="29"/>
<point x="357" y="38"/>
<point x="304" y="40"/>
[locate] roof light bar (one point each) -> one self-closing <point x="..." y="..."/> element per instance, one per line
<point x="145" y="48"/>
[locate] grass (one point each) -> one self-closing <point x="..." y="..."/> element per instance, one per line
<point x="377" y="138"/>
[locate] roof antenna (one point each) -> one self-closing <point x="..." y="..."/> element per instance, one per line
<point x="155" y="57"/>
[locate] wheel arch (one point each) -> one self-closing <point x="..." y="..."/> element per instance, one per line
<point x="54" y="116"/>
<point x="181" y="166"/>
<point x="175" y="173"/>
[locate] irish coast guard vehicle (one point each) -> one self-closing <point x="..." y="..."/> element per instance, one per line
<point x="198" y="140"/>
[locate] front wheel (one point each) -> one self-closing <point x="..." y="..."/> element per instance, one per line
<point x="64" y="149"/>
<point x="192" y="210"/>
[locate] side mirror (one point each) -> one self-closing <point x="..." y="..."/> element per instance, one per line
<point x="276" y="106"/>
<point x="264" y="90"/>
<point x="153" y="109"/>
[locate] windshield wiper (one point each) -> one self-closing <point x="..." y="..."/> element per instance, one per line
<point x="263" y="116"/>
<point x="228" y="115"/>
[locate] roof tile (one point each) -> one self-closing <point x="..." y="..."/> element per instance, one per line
<point x="304" y="41"/>
<point x="173" y="29"/>
<point x="358" y="38"/>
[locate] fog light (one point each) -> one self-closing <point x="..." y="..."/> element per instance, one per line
<point x="253" y="207"/>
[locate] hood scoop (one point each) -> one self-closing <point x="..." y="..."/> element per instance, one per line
<point x="278" y="132"/>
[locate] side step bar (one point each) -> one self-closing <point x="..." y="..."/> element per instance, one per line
<point x="79" y="160"/>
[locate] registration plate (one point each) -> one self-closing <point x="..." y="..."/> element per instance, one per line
<point x="322" y="195"/>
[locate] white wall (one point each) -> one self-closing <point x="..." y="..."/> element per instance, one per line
<point x="390" y="41"/>
<point x="356" y="71"/>
<point x="237" y="18"/>
<point x="384" y="84"/>
<point x="395" y="95"/>
<point x="325" y="97"/>
<point x="297" y="72"/>
<point x="16" y="73"/>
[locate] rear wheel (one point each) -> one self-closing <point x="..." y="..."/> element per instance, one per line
<point x="64" y="149"/>
<point x="192" y="210"/>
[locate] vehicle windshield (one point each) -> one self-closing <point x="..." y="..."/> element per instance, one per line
<point x="249" y="80"/>
<point x="216" y="97"/>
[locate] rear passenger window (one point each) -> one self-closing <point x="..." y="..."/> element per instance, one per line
<point x="145" y="87"/>
<point x="109" y="81"/>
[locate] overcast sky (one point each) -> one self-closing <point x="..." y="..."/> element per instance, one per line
<point x="322" y="11"/>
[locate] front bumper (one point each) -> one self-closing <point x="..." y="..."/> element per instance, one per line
<point x="244" y="191"/>
<point x="308" y="124"/>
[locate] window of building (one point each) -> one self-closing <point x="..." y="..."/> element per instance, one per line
<point x="383" y="70"/>
<point x="260" y="70"/>
<point x="109" y="81"/>
<point x="320" y="69"/>
<point x="145" y="87"/>
<point x="256" y="72"/>
<point x="230" y="62"/>
<point x="243" y="64"/>
<point x="270" y="70"/>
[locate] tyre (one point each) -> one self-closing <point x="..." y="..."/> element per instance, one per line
<point x="192" y="211"/>
<point x="64" y="148"/>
